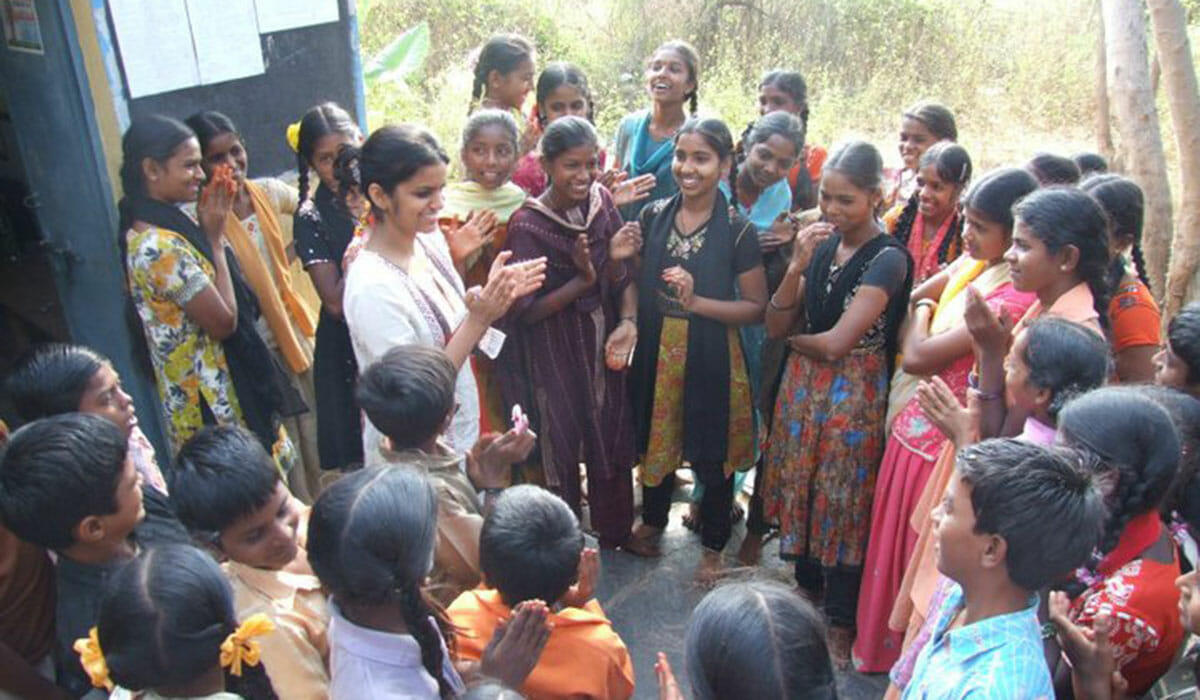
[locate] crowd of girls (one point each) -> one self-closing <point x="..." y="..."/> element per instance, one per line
<point x="879" y="347"/>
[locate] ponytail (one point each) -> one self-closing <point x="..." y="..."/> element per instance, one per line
<point x="1139" y="264"/>
<point x="320" y="121"/>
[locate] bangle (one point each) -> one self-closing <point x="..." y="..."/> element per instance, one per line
<point x="925" y="302"/>
<point x="775" y="305"/>
<point x="631" y="319"/>
<point x="973" y="386"/>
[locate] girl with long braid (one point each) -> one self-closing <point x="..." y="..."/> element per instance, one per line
<point x="503" y="79"/>
<point x="645" y="139"/>
<point x="1133" y="315"/>
<point x="323" y="229"/>
<point x="931" y="223"/>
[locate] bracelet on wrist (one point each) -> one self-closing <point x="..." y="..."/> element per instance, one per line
<point x="925" y="302"/>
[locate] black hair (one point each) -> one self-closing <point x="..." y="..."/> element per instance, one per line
<point x="394" y="154"/>
<point x="221" y="474"/>
<point x="1125" y="205"/>
<point x="1045" y="503"/>
<point x="691" y="59"/>
<point x="936" y="117"/>
<point x="502" y="53"/>
<point x="55" y="472"/>
<point x="318" y="122"/>
<point x="1134" y="438"/>
<point x="554" y="76"/>
<point x="792" y="84"/>
<point x="408" y="393"/>
<point x="1062" y="216"/>
<point x="1065" y="358"/>
<point x="162" y="619"/>
<point x="782" y="124"/>
<point x="346" y="172"/>
<point x="995" y="194"/>
<point x="156" y="137"/>
<point x="210" y="124"/>
<point x="1050" y="169"/>
<point x="716" y="134"/>
<point x="1090" y="163"/>
<point x="1183" y="337"/>
<point x="530" y="545"/>
<point x="757" y="639"/>
<point x="51" y="379"/>
<point x="859" y="162"/>
<point x="484" y="118"/>
<point x="371" y="537"/>
<point x="1183" y="497"/>
<point x="953" y="164"/>
<point x="563" y="134"/>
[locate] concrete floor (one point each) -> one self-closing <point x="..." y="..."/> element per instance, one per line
<point x="650" y="600"/>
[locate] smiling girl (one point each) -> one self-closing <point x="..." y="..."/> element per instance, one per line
<point x="921" y="126"/>
<point x="644" y="143"/>
<point x="504" y="78"/>
<point x="840" y="305"/>
<point x="403" y="287"/>
<point x="701" y="279"/>
<point x="570" y="343"/>
<point x="931" y="224"/>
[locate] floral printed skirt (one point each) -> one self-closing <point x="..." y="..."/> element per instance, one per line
<point x="664" y="452"/>
<point x="823" y="453"/>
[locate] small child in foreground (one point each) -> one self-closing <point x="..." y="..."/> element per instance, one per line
<point x="371" y="538"/>
<point x="166" y="629"/>
<point x="532" y="549"/>
<point x="1014" y="518"/>
<point x="230" y="496"/>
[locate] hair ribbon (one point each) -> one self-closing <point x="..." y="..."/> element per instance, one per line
<point x="240" y="647"/>
<point x="92" y="659"/>
<point x="293" y="136"/>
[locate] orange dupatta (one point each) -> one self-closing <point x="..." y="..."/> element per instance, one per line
<point x="271" y="281"/>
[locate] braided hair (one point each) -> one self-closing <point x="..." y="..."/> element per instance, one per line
<point x="162" y="620"/>
<point x="346" y="173"/>
<point x="502" y="53"/>
<point x="320" y="121"/>
<point x="1135" y="439"/>
<point x="1124" y="204"/>
<point x="554" y="76"/>
<point x="1062" y="216"/>
<point x="371" y="537"/>
<point x="688" y="54"/>
<point x="952" y="164"/>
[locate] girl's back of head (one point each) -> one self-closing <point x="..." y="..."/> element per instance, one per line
<point x="1050" y="169"/>
<point x="1065" y="216"/>
<point x="995" y="194"/>
<point x="163" y="619"/>
<point x="370" y="540"/>
<point x="318" y="122"/>
<point x="936" y="117"/>
<point x="1064" y="358"/>
<point x="859" y="162"/>
<point x="1135" y="439"/>
<point x="757" y="639"/>
<point x="1124" y="204"/>
<point x="1183" y="498"/>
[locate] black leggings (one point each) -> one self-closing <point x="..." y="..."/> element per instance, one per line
<point x="838" y="583"/>
<point x="715" y="506"/>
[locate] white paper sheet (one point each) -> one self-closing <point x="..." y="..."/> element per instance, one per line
<point x="226" y="38"/>
<point x="155" y="41"/>
<point x="278" y="15"/>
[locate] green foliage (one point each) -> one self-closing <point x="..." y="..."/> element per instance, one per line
<point x="1018" y="73"/>
<point x="400" y="59"/>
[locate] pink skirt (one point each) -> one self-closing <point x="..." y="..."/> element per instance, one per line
<point x="902" y="477"/>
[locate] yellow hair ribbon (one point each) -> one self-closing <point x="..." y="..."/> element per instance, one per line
<point x="240" y="647"/>
<point x="92" y="659"/>
<point x="293" y="136"/>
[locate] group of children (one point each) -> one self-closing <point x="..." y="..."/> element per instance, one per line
<point x="913" y="363"/>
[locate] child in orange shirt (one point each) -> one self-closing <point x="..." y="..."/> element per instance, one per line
<point x="531" y="548"/>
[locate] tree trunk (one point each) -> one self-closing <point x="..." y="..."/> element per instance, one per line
<point x="1169" y="20"/>
<point x="1104" y="139"/>
<point x="1137" y="127"/>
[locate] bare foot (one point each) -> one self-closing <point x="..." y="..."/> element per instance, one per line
<point x="711" y="568"/>
<point x="841" y="639"/>
<point x="644" y="541"/>
<point x="692" y="519"/>
<point x="750" y="553"/>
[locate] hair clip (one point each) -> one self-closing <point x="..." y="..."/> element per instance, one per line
<point x="240" y="646"/>
<point x="92" y="659"/>
<point x="293" y="136"/>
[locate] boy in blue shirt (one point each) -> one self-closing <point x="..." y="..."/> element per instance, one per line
<point x="1015" y="517"/>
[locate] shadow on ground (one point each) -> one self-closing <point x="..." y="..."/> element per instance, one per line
<point x="649" y="601"/>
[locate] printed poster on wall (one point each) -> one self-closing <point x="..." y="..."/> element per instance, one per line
<point x="21" y="29"/>
<point x="278" y="15"/>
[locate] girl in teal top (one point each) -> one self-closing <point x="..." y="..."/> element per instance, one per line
<point x="644" y="139"/>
